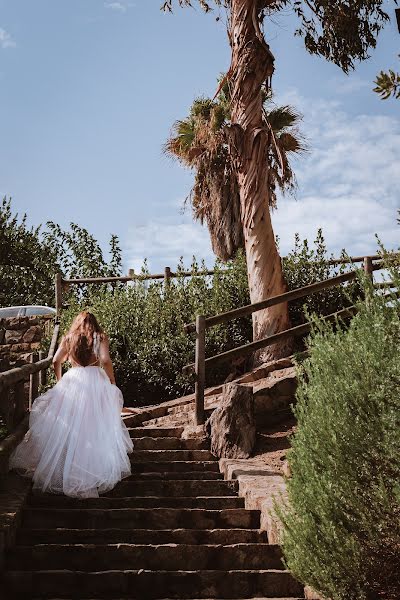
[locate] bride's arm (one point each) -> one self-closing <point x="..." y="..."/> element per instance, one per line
<point x="105" y="359"/>
<point x="60" y="356"/>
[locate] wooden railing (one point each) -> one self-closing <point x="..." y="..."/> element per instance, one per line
<point x="62" y="284"/>
<point x="203" y="323"/>
<point x="13" y="398"/>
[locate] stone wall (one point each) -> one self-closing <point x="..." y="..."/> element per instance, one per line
<point x="20" y="337"/>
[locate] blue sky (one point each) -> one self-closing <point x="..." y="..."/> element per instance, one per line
<point x="90" y="89"/>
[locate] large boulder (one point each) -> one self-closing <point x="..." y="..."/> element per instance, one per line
<point x="274" y="395"/>
<point x="232" y="427"/>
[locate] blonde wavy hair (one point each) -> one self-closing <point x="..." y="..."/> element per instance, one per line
<point x="80" y="337"/>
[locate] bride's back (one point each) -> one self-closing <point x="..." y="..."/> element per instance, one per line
<point x="82" y="350"/>
<point x="83" y="339"/>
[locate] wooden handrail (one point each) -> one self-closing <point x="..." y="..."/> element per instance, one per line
<point x="273" y="301"/>
<point x="13" y="376"/>
<point x="268" y="341"/>
<point x="203" y="323"/>
<point x="168" y="274"/>
<point x="126" y="279"/>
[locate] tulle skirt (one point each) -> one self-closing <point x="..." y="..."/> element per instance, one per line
<point x="77" y="443"/>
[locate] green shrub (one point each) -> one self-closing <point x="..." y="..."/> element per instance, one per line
<point x="145" y="323"/>
<point x="342" y="522"/>
<point x="30" y="257"/>
<point x="307" y="264"/>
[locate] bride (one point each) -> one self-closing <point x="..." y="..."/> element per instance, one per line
<point x="77" y="443"/>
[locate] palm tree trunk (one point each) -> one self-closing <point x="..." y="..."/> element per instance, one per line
<point x="252" y="66"/>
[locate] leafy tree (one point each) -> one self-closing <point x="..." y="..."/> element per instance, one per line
<point x="388" y="84"/>
<point x="27" y="262"/>
<point x="30" y="257"/>
<point x="342" y="521"/>
<point x="340" y="31"/>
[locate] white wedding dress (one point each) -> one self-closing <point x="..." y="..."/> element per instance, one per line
<point x="77" y="443"/>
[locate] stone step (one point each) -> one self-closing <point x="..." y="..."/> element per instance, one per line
<point x="177" y="466"/>
<point x="155" y="518"/>
<point x="179" y="420"/>
<point x="155" y="432"/>
<point x="28" y="537"/>
<point x="170" y="443"/>
<point x="181" y="409"/>
<point x="168" y="557"/>
<point x="206" y="502"/>
<point x="153" y="584"/>
<point x="172" y="489"/>
<point x="171" y="455"/>
<point x="171" y="476"/>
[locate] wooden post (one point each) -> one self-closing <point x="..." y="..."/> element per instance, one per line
<point x="200" y="368"/>
<point x="368" y="267"/>
<point x="19" y="406"/>
<point x="58" y="292"/>
<point x="8" y="407"/>
<point x="33" y="382"/>
<point x="167" y="276"/>
<point x="43" y="372"/>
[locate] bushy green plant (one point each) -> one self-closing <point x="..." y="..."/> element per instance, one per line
<point x="145" y="323"/>
<point x="342" y="522"/>
<point x="30" y="257"/>
<point x="307" y="264"/>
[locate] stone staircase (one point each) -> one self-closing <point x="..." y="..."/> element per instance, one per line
<point x="174" y="529"/>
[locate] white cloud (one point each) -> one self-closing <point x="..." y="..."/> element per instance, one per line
<point x="118" y="6"/>
<point x="163" y="241"/>
<point x="348" y="184"/>
<point x="351" y="84"/>
<point x="6" y="40"/>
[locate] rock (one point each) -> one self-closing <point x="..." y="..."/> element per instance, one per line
<point x="5" y="349"/>
<point x="231" y="426"/>
<point x="286" y="470"/>
<point x="14" y="336"/>
<point x="2" y="335"/>
<point x="33" y="334"/>
<point x="17" y="348"/>
<point x="274" y="395"/>
<point x="234" y="468"/>
<point x="264" y="370"/>
<point x="193" y="431"/>
<point x="311" y="594"/>
<point x="16" y="323"/>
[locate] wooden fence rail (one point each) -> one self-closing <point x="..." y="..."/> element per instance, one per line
<point x="203" y="323"/>
<point x="13" y="398"/>
<point x="61" y="284"/>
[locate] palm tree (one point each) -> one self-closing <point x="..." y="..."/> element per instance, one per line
<point x="342" y="32"/>
<point x="200" y="142"/>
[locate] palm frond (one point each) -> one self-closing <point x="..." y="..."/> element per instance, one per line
<point x="288" y="142"/>
<point x="200" y="142"/>
<point x="283" y="117"/>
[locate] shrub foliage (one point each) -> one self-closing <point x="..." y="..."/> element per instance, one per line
<point x="342" y="523"/>
<point x="30" y="257"/>
<point x="145" y="321"/>
<point x="145" y="325"/>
